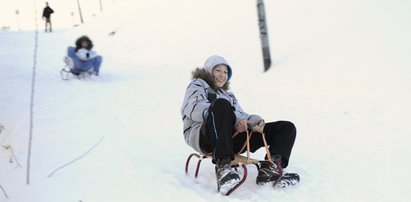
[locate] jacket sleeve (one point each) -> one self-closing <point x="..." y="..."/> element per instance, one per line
<point x="196" y="103"/>
<point x="93" y="54"/>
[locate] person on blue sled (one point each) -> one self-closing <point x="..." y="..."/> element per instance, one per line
<point x="82" y="58"/>
<point x="211" y="115"/>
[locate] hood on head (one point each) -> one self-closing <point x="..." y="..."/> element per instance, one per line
<point x="215" y="60"/>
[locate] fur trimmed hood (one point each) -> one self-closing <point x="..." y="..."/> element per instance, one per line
<point x="201" y="73"/>
<point x="205" y="73"/>
<point x="215" y="60"/>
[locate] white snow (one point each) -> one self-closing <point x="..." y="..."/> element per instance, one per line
<point x="341" y="73"/>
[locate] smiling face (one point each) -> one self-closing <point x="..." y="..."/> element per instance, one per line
<point x="220" y="75"/>
<point x="84" y="44"/>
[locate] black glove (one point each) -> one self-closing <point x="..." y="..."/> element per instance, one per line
<point x="211" y="95"/>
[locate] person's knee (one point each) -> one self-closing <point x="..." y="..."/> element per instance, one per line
<point x="97" y="62"/>
<point x="99" y="59"/>
<point x="289" y="127"/>
<point x="70" y="51"/>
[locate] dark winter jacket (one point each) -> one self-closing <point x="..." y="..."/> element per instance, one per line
<point x="194" y="109"/>
<point x="47" y="11"/>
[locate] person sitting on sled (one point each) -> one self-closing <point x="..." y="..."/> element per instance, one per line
<point x="82" y="58"/>
<point x="211" y="115"/>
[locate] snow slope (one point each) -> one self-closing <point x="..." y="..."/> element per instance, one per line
<point x="341" y="73"/>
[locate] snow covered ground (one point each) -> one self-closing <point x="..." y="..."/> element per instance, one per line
<point x="341" y="73"/>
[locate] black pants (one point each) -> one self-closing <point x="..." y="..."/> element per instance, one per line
<point x="217" y="131"/>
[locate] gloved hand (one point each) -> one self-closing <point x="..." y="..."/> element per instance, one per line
<point x="85" y="54"/>
<point x="258" y="126"/>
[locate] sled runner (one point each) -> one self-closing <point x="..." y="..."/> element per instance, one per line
<point x="239" y="161"/>
<point x="67" y="72"/>
<point x="243" y="161"/>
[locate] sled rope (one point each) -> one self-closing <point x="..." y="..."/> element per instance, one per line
<point x="277" y="160"/>
<point x="247" y="144"/>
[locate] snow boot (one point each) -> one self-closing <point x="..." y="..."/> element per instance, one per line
<point x="288" y="180"/>
<point x="269" y="172"/>
<point x="227" y="177"/>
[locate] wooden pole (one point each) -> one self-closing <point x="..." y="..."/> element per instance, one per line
<point x="79" y="10"/>
<point x="262" y="23"/>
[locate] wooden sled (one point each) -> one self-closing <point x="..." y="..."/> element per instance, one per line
<point x="239" y="161"/>
<point x="66" y="74"/>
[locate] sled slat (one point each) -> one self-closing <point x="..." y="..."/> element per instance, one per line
<point x="243" y="160"/>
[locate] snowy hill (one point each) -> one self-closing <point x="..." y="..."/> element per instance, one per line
<point x="341" y="74"/>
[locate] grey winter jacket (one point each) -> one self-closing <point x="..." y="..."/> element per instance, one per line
<point x="194" y="110"/>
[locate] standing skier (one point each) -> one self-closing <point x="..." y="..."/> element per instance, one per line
<point x="211" y="115"/>
<point x="47" y="11"/>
